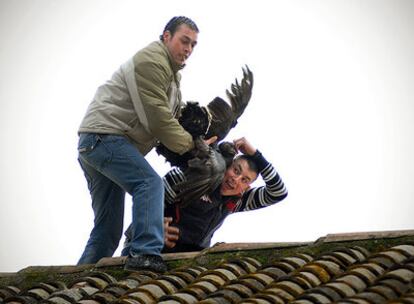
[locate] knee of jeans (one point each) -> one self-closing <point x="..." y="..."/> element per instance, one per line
<point x="158" y="181"/>
<point x="152" y="184"/>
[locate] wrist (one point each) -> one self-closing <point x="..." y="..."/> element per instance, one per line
<point x="259" y="160"/>
<point x="253" y="152"/>
<point x="256" y="153"/>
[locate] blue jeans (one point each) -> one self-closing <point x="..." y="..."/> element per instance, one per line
<point x="112" y="167"/>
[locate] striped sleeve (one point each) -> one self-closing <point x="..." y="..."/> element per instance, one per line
<point x="271" y="193"/>
<point x="172" y="178"/>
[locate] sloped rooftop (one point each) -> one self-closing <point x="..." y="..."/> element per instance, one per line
<point x="373" y="267"/>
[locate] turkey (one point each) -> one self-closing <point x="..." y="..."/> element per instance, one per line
<point x="204" y="166"/>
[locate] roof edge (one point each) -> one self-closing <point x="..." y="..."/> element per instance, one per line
<point x="356" y="236"/>
<point x="227" y="247"/>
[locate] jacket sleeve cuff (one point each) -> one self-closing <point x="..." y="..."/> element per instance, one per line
<point x="259" y="160"/>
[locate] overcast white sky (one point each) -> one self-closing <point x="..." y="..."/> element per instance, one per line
<point x="332" y="109"/>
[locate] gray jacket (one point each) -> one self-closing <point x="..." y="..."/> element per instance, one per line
<point x="141" y="101"/>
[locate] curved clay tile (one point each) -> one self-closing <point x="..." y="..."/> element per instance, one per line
<point x="262" y="277"/>
<point x="291" y="287"/>
<point x="342" y="259"/>
<point x="342" y="288"/>
<point x="241" y="289"/>
<point x="220" y="274"/>
<point x="117" y="290"/>
<point x="364" y="274"/>
<point x="314" y="298"/>
<point x="184" y="277"/>
<point x="322" y="274"/>
<point x="104" y="297"/>
<point x="384" y="291"/>
<point x="371" y="297"/>
<point x="383" y="260"/>
<point x="407" y="249"/>
<point x="224" y="296"/>
<point x="397" y="256"/>
<point x="408" y="298"/>
<point x="296" y="262"/>
<point x="8" y="291"/>
<point x="97" y="280"/>
<point x="234" y="268"/>
<point x="310" y="277"/>
<point x="327" y="292"/>
<point x="179" y="298"/>
<point x="403" y="274"/>
<point x="89" y="302"/>
<point x="354" y="281"/>
<point x="172" y="282"/>
<point x="248" y="264"/>
<point x="332" y="268"/>
<point x="273" y="272"/>
<point x="360" y="253"/>
<point x="281" y="290"/>
<point x="396" y="285"/>
<point x="376" y="269"/>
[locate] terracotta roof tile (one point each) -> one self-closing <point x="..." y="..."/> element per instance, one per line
<point x="349" y="272"/>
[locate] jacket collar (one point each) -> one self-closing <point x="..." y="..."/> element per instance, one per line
<point x="175" y="67"/>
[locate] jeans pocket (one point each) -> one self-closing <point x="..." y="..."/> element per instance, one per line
<point x="95" y="149"/>
<point x="87" y="142"/>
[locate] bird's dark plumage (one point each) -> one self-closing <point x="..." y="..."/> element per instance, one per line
<point x="204" y="166"/>
<point x="195" y="119"/>
<point x="225" y="116"/>
<point x="203" y="173"/>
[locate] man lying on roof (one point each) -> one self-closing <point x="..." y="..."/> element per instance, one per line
<point x="192" y="228"/>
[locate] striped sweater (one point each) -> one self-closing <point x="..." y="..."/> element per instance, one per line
<point x="199" y="220"/>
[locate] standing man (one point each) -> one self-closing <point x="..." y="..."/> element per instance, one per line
<point x="136" y="108"/>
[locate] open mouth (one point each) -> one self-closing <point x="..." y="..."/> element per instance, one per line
<point x="229" y="185"/>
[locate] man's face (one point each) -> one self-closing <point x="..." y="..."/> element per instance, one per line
<point x="237" y="178"/>
<point x="181" y="44"/>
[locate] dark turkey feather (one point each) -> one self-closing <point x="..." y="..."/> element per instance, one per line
<point x="204" y="166"/>
<point x="195" y="119"/>
<point x="224" y="116"/>
<point x="203" y="174"/>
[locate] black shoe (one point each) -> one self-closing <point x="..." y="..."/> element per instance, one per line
<point x="145" y="262"/>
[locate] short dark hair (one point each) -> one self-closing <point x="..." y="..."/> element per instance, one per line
<point x="250" y="162"/>
<point x="175" y="22"/>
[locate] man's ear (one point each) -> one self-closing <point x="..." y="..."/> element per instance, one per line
<point x="166" y="36"/>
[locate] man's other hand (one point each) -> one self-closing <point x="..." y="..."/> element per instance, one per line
<point x="171" y="233"/>
<point x="244" y="146"/>
<point x="210" y="140"/>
